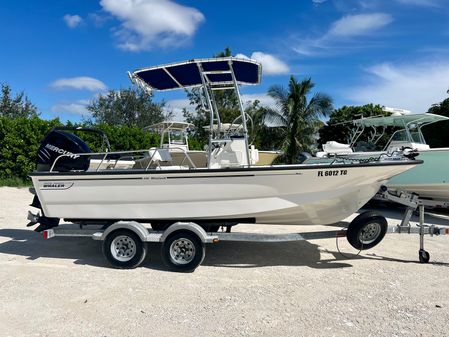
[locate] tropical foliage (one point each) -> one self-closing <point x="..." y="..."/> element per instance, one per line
<point x="297" y="115"/>
<point x="132" y="107"/>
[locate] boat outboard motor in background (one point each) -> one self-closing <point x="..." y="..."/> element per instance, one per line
<point x="57" y="143"/>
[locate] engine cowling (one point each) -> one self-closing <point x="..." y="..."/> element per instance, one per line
<point x="57" y="143"/>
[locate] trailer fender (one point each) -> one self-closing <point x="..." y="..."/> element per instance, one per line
<point x="191" y="227"/>
<point x="133" y="226"/>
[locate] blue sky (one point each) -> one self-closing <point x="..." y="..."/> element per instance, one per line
<point x="63" y="53"/>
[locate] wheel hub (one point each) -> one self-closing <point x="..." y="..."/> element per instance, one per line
<point x="182" y="251"/>
<point x="123" y="248"/>
<point x="369" y="233"/>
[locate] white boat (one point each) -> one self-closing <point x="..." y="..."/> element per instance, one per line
<point x="229" y="190"/>
<point x="430" y="180"/>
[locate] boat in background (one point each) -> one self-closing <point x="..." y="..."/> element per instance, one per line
<point x="175" y="138"/>
<point x="229" y="190"/>
<point x="430" y="180"/>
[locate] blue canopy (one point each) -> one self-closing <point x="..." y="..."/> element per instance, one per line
<point x="217" y="71"/>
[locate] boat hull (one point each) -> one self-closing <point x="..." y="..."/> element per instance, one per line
<point x="299" y="195"/>
<point x="429" y="180"/>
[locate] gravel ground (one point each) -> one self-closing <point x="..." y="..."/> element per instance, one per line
<point x="63" y="287"/>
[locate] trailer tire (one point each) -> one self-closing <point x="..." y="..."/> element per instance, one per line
<point x="183" y="251"/>
<point x="124" y="249"/>
<point x="367" y="230"/>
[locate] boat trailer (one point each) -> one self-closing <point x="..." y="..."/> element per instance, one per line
<point x="124" y="243"/>
<point x="413" y="204"/>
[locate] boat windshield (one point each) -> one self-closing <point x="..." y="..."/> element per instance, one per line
<point x="175" y="138"/>
<point x="401" y="136"/>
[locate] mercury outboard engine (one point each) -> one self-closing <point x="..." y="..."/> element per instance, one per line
<point x="58" y="142"/>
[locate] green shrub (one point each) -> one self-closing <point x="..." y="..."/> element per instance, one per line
<point x="19" y="141"/>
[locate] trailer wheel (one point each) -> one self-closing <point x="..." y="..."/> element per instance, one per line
<point x="183" y="251"/>
<point x="367" y="230"/>
<point x="124" y="249"/>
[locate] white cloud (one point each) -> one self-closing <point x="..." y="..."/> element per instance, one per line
<point x="411" y="86"/>
<point x="79" y="83"/>
<point x="318" y="2"/>
<point x="72" y="21"/>
<point x="360" y="24"/>
<point x="76" y="108"/>
<point x="271" y="65"/>
<point x="342" y="33"/>
<point x="149" y="23"/>
<point x="242" y="56"/>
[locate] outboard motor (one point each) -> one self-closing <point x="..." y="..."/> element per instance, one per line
<point x="58" y="142"/>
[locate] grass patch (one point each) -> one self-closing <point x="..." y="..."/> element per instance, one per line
<point x="15" y="182"/>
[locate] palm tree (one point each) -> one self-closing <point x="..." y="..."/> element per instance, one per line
<point x="296" y="115"/>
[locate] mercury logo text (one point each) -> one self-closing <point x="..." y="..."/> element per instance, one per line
<point x="61" y="151"/>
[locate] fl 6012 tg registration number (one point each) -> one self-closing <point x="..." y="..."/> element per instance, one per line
<point x="332" y="173"/>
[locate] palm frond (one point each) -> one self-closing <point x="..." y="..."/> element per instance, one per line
<point x="278" y="93"/>
<point x="280" y="96"/>
<point x="304" y="87"/>
<point x="273" y="118"/>
<point x="321" y="105"/>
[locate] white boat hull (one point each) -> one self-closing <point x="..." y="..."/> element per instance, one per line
<point x="299" y="195"/>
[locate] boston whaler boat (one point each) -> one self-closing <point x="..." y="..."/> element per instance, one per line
<point x="183" y="200"/>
